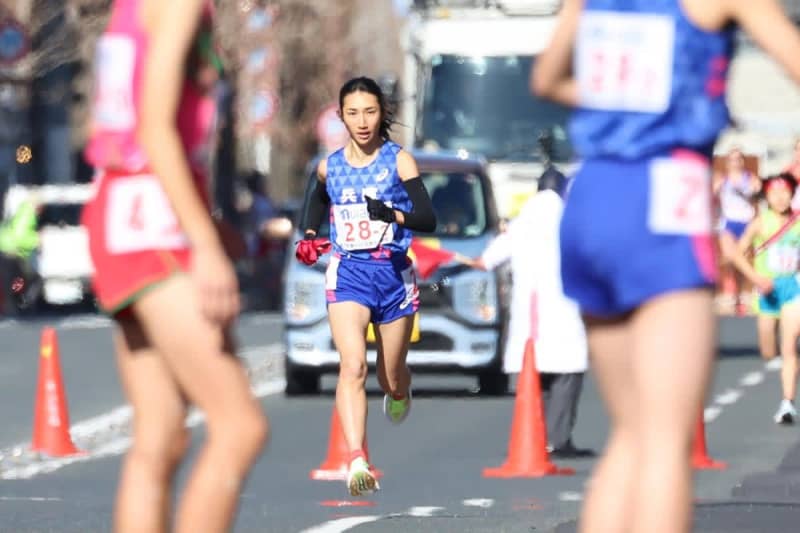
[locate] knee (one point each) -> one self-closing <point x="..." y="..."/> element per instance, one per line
<point x="159" y="451"/>
<point x="244" y="433"/>
<point x="353" y="371"/>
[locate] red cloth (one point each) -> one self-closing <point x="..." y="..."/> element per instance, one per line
<point x="428" y="259"/>
<point x="309" y="250"/>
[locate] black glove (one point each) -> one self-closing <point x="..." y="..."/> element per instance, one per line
<point x="379" y="211"/>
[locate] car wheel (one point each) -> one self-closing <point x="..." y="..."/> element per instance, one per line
<point x="301" y="382"/>
<point x="493" y="383"/>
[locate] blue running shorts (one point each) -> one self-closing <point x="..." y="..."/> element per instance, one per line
<point x="785" y="290"/>
<point x="387" y="287"/>
<point x="634" y="230"/>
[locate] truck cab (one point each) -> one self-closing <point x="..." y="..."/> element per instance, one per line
<point x="467" y="66"/>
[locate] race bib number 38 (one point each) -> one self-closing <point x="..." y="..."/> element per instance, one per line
<point x="680" y="196"/>
<point x="624" y="61"/>
<point x="139" y="217"/>
<point x="355" y="231"/>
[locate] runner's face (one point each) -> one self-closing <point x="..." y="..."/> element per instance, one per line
<point x="779" y="197"/>
<point x="735" y="161"/>
<point x="361" y="113"/>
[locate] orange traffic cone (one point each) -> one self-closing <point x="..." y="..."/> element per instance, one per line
<point x="335" y="465"/>
<point x="700" y="458"/>
<point x="527" y="447"/>
<point x="50" y="418"/>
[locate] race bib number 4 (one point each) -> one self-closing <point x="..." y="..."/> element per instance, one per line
<point x="624" y="61"/>
<point x="680" y="196"/>
<point x="113" y="107"/>
<point x="139" y="217"/>
<point x="355" y="231"/>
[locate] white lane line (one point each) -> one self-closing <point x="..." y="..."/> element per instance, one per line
<point x="485" y="503"/>
<point x="28" y="499"/>
<point x="570" y="496"/>
<point x="751" y="379"/>
<point x="728" y="397"/>
<point x="710" y="413"/>
<point x="342" y="524"/>
<point x="84" y="322"/>
<point x="115" y="423"/>
<point x="422" y="511"/>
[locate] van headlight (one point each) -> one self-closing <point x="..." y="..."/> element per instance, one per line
<point x="304" y="302"/>
<point x="475" y="297"/>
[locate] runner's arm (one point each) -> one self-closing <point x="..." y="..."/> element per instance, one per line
<point x="735" y="252"/>
<point x="170" y="32"/>
<point x="421" y="217"/>
<point x="319" y="202"/>
<point x="766" y="22"/>
<point x="551" y="76"/>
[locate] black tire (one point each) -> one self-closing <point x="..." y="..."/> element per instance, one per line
<point x="493" y="383"/>
<point x="301" y="382"/>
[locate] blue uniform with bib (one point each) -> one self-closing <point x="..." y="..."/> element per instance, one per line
<point x="369" y="263"/>
<point x="637" y="221"/>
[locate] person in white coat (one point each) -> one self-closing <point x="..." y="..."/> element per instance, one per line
<point x="540" y="309"/>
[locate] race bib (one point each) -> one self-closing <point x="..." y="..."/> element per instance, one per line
<point x="113" y="107"/>
<point x="624" y="61"/>
<point x="783" y="259"/>
<point x="680" y="196"/>
<point x="139" y="217"/>
<point x="355" y="231"/>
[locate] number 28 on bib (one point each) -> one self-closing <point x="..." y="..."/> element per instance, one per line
<point x="355" y="230"/>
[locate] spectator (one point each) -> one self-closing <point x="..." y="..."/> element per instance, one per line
<point x="736" y="189"/>
<point x="531" y="244"/>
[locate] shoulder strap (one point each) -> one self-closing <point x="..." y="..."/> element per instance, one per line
<point x="778" y="234"/>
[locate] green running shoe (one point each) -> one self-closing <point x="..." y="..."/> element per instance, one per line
<point x="396" y="410"/>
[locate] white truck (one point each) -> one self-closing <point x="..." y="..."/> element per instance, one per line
<point x="465" y="88"/>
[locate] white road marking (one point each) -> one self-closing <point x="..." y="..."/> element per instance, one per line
<point x="751" y="379"/>
<point x="423" y="511"/>
<point x="28" y="499"/>
<point x="478" y="502"/>
<point x="342" y="524"/>
<point x="113" y="426"/>
<point x="728" y="397"/>
<point x="570" y="496"/>
<point x="710" y="413"/>
<point x="84" y="322"/>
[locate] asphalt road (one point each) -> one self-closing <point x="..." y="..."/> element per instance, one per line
<point x="432" y="464"/>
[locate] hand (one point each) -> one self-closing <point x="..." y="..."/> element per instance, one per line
<point x="216" y="284"/>
<point x="379" y="211"/>
<point x="310" y="248"/>
<point x="763" y="284"/>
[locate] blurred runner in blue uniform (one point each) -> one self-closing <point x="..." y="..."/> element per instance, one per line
<point x="647" y="79"/>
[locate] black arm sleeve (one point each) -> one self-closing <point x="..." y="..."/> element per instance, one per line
<point x="421" y="217"/>
<point x="318" y="204"/>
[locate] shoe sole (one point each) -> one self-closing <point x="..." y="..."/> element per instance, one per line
<point x="361" y="483"/>
<point x="785" y="420"/>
